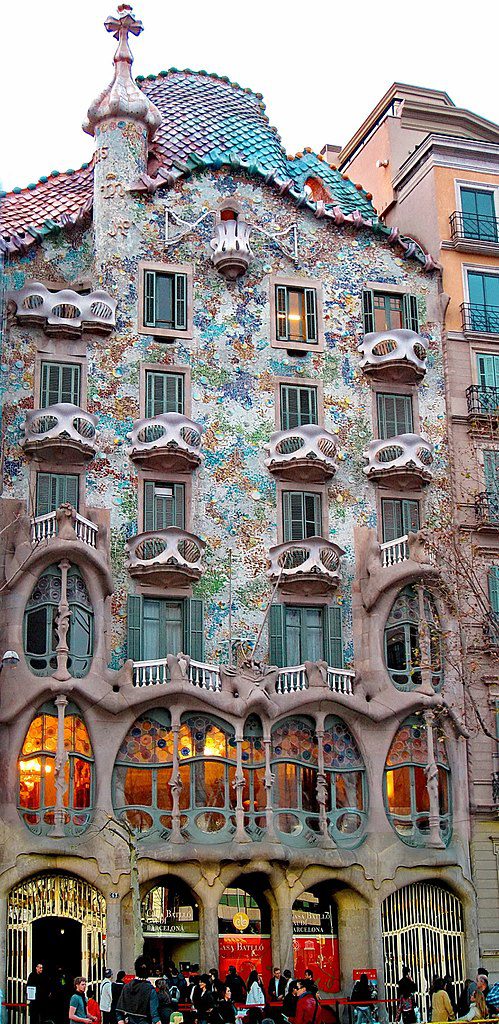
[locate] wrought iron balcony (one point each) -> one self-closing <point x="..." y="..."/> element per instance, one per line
<point x="479" y="319"/>
<point x="168" y="443"/>
<point x="310" y="566"/>
<point x="64" y="312"/>
<point x="469" y="228"/>
<point x="302" y="453"/>
<point x="231" y="247"/>
<point x="487" y="509"/>
<point x="483" y="403"/>
<point x="397" y="356"/>
<point x="45" y="527"/>
<point x="170" y="557"/>
<point x="60" y="432"/>
<point x="150" y="673"/>
<point x="404" y="461"/>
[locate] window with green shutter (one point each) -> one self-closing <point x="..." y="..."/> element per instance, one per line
<point x="54" y="490"/>
<point x="399" y="516"/>
<point x="479" y="214"/>
<point x="386" y="312"/>
<point x="164" y="506"/>
<point x="159" y="627"/>
<point x="491" y="471"/>
<point x="165" y="300"/>
<point x="164" y="393"/>
<point x="298" y="405"/>
<point x="60" y="382"/>
<point x="488" y="369"/>
<point x="305" y="633"/>
<point x="394" y="415"/>
<point x="301" y="515"/>
<point x="296" y="314"/>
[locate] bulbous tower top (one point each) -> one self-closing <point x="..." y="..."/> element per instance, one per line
<point x="122" y="98"/>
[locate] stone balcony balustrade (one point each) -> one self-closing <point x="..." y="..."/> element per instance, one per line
<point x="305" y="454"/>
<point x="231" y="247"/>
<point x="150" y="673"/>
<point x="403" y="461"/>
<point x="169" y="557"/>
<point x="45" y="527"/>
<point x="397" y="356"/>
<point x="62" y="433"/>
<point x="295" y="679"/>
<point x="310" y="566"/>
<point x="64" y="312"/>
<point x="169" y="442"/>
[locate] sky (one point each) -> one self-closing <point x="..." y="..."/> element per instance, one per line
<point x="321" y="66"/>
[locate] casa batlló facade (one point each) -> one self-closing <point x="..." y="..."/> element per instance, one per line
<point x="224" y="440"/>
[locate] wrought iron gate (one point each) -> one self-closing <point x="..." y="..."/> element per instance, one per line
<point x="53" y="895"/>
<point x="422" y="928"/>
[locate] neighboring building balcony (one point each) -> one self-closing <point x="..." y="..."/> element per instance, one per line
<point x="65" y="312"/>
<point x="479" y="319"/>
<point x="310" y="566"/>
<point x="166" y="558"/>
<point x="397" y="356"/>
<point x="295" y="679"/>
<point x="471" y="232"/>
<point x="231" y="247"/>
<point x="43" y="528"/>
<point x="487" y="510"/>
<point x="62" y="433"/>
<point x="403" y="461"/>
<point x="169" y="442"/>
<point x="302" y="453"/>
<point x="483" y="405"/>
<point x="151" y="673"/>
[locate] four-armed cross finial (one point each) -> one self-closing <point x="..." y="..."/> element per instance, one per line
<point x="121" y="25"/>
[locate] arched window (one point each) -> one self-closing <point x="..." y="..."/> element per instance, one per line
<point x="294" y="764"/>
<point x="403" y="638"/>
<point x="37" y="777"/>
<point x="40" y="623"/>
<point x="406" y="795"/>
<point x="346" y="794"/>
<point x="207" y="755"/>
<point x="142" y="773"/>
<point x="254" y="794"/>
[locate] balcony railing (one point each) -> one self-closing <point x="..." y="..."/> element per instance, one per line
<point x="64" y="312"/>
<point x="61" y="428"/>
<point x="150" y="673"/>
<point x="487" y="509"/>
<point x="474" y="227"/>
<point x="45" y="527"/>
<point x="167" y="442"/>
<point x="291" y="680"/>
<point x="311" y="564"/>
<point x="340" y="680"/>
<point x="480" y="319"/>
<point x="405" y="459"/>
<point x="170" y="556"/>
<point x="394" y="551"/>
<point x="302" y="453"/>
<point x="482" y="401"/>
<point x="398" y="355"/>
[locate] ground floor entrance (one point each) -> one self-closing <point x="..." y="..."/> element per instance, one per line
<point x="170" y="924"/>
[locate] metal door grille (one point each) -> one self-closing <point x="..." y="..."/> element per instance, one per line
<point x="53" y="896"/>
<point x="422" y="928"/>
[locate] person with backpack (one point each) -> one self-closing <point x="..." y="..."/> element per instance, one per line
<point x="236" y="985"/>
<point x="307" y="1004"/>
<point x="138" y="1002"/>
<point x="362" y="996"/>
<point x="406" y="1002"/>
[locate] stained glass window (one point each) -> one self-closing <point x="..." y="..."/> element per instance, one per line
<point x="403" y="640"/>
<point x="346" y="783"/>
<point x="406" y="793"/>
<point x="254" y="796"/>
<point x="294" y="765"/>
<point x="208" y="756"/>
<point x="40" y="632"/>
<point x="142" y="773"/>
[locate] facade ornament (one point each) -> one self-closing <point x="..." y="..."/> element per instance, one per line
<point x="431" y="773"/>
<point x="61" y="760"/>
<point x="231" y="240"/>
<point x="63" y="619"/>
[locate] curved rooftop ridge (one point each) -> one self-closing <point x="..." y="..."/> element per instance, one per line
<point x="203" y="74"/>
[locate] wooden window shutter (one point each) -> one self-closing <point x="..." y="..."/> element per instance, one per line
<point x="180" y="302"/>
<point x="289" y="407"/>
<point x="43" y="494"/>
<point x="313" y="517"/>
<point x="179" y="506"/>
<point x="149" y="298"/>
<point x="70" y="384"/>
<point x="70" y="489"/>
<point x="134" y="628"/>
<point x="493" y="580"/>
<point x="154" y="394"/>
<point x="410" y="313"/>
<point x="368" y="310"/>
<point x="174" y="392"/>
<point x="149" y="510"/>
<point x="333" y="640"/>
<point x="311" y="313"/>
<point x="410" y="516"/>
<point x="277" y="645"/>
<point x="281" y="301"/>
<point x="194" y="628"/>
<point x="391" y="519"/>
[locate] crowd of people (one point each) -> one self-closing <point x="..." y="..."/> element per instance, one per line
<point x="476" y="1000"/>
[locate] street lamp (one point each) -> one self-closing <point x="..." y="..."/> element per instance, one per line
<point x="9" y="658"/>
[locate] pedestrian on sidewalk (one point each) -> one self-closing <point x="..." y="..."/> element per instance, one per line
<point x="138" y="1002"/>
<point x="441" y="1006"/>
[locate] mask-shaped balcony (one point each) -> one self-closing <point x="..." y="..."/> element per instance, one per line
<point x="166" y="558"/>
<point x="396" y="356"/>
<point x="304" y="454"/>
<point x="60" y="433"/>
<point x="403" y="461"/>
<point x="65" y="312"/>
<point x="167" y="443"/>
<point x="231" y="247"/>
<point x="309" y="566"/>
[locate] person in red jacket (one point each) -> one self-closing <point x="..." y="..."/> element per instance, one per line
<point x="307" y="1006"/>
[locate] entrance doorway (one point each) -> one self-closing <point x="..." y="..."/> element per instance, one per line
<point x="170" y="923"/>
<point x="56" y="943"/>
<point x="315" y="937"/>
<point x="244" y="929"/>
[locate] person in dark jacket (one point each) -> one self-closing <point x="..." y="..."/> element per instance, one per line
<point x="166" y="1006"/>
<point x="224" y="1011"/>
<point x="38" y="984"/>
<point x="116" y="990"/>
<point x="290" y="999"/>
<point x="277" y="986"/>
<point x="236" y="985"/>
<point x="138" y="1002"/>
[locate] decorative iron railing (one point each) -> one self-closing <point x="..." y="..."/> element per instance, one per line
<point x="62" y="424"/>
<point x="308" y="450"/>
<point x="402" y="348"/>
<point x="487" y="508"/>
<point x="474" y="226"/>
<point x="170" y="434"/>
<point x="174" y="549"/>
<point x="482" y="400"/>
<point x="482" y="319"/>
<point x="313" y="558"/>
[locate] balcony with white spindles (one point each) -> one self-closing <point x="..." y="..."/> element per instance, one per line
<point x="397" y="356"/>
<point x="310" y="566"/>
<point x="393" y="552"/>
<point x="153" y="673"/>
<point x="60" y="433"/>
<point x="404" y="461"/>
<point x="64" y="312"/>
<point x="43" y="528"/>
<point x="305" y="454"/>
<point x="170" y="557"/>
<point x="166" y="443"/>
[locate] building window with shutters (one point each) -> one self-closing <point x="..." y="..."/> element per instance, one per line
<point x="297" y="405"/>
<point x="54" y="490"/>
<point x="165" y="300"/>
<point x="384" y="311"/>
<point x="399" y="516"/>
<point x="493" y="616"/>
<point x="478" y="214"/>
<point x="301" y="515"/>
<point x="164" y="393"/>
<point x="158" y="627"/>
<point x="296" y="314"/>
<point x="40" y="623"/>
<point x="60" y="383"/>
<point x="300" y="633"/>
<point x="164" y="506"/>
<point x="395" y="415"/>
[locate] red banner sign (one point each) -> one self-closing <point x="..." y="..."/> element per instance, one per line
<point x="320" y="953"/>
<point x="247" y="953"/>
